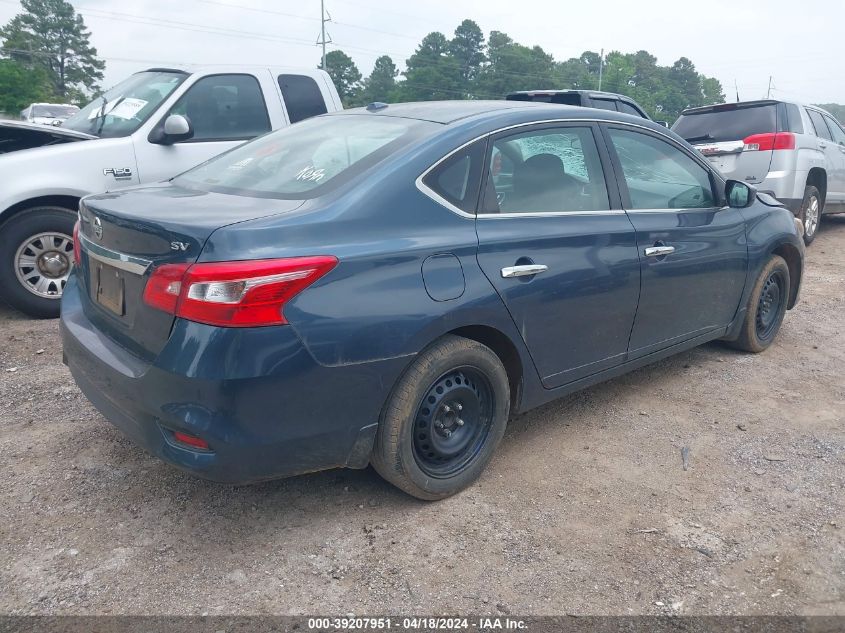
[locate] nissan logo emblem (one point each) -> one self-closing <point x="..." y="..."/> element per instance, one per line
<point x="98" y="228"/>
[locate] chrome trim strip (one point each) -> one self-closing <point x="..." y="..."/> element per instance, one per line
<point x="443" y="202"/>
<point x="129" y="263"/>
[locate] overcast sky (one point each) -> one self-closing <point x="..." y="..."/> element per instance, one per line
<point x="801" y="44"/>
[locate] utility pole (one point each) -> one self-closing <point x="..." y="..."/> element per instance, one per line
<point x="601" y="66"/>
<point x="324" y="17"/>
<point x="769" y="93"/>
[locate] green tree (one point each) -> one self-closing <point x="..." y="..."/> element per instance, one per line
<point x="513" y="66"/>
<point x="466" y="50"/>
<point x="344" y="74"/>
<point x="836" y="109"/>
<point x="430" y="73"/>
<point x="50" y="35"/>
<point x="20" y="86"/>
<point x="381" y="84"/>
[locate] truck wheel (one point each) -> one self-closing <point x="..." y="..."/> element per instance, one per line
<point x="811" y="213"/>
<point x="766" y="307"/>
<point x="443" y="420"/>
<point x="36" y="256"/>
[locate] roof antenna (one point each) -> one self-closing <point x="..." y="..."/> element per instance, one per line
<point x="736" y="85"/>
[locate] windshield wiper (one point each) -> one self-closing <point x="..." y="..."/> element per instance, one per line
<point x="703" y="137"/>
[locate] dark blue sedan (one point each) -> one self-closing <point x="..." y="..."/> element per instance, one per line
<point x="389" y="285"/>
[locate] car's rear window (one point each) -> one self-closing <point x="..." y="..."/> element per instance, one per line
<point x="308" y="159"/>
<point x="728" y="124"/>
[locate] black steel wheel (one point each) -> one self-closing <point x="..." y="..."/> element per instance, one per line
<point x="444" y="419"/>
<point x="766" y="307"/>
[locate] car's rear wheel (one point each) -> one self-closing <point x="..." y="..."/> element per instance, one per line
<point x="766" y="307"/>
<point x="811" y="213"/>
<point x="444" y="419"/>
<point x="36" y="257"/>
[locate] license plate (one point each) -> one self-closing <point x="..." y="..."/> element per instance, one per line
<point x="110" y="289"/>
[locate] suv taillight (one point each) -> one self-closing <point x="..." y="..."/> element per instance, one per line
<point x="77" y="247"/>
<point x="233" y="294"/>
<point x="768" y="142"/>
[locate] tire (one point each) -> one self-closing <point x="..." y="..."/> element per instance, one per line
<point x="463" y="378"/>
<point x="766" y="307"/>
<point x="43" y="235"/>
<point x="810" y="213"/>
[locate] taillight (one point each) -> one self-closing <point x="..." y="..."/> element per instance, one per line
<point x="190" y="440"/>
<point x="234" y="294"/>
<point x="768" y="142"/>
<point x="77" y="247"/>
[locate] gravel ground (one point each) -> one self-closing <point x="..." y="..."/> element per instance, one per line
<point x="586" y="508"/>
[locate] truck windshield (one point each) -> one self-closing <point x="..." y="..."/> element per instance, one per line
<point x="123" y="109"/>
<point x="308" y="159"/>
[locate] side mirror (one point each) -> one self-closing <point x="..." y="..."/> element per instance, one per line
<point x="739" y="194"/>
<point x="176" y="128"/>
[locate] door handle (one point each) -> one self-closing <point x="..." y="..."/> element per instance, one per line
<point x="659" y="251"/>
<point x="523" y="271"/>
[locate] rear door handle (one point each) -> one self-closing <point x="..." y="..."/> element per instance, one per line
<point x="659" y="251"/>
<point x="523" y="271"/>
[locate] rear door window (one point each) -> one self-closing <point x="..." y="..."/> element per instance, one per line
<point x="224" y="108"/>
<point x="727" y="123"/>
<point x="302" y="96"/>
<point x="835" y="130"/>
<point x="819" y="124"/>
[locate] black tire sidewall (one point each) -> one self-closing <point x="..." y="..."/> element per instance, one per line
<point x="12" y="234"/>
<point x="809" y="192"/>
<point x="399" y="461"/>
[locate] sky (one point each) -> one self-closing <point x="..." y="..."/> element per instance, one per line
<point x="741" y="43"/>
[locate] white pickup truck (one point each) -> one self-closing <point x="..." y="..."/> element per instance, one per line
<point x="151" y="127"/>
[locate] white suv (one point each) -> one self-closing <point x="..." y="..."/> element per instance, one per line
<point x="794" y="152"/>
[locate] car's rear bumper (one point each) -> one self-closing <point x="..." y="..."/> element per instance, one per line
<point x="266" y="408"/>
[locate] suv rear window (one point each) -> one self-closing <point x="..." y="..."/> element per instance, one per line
<point x="727" y="123"/>
<point x="306" y="160"/>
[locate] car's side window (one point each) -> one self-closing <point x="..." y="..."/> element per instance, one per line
<point x="302" y="97"/>
<point x="224" y="107"/>
<point x="458" y="178"/>
<point x="553" y="170"/>
<point x="605" y="104"/>
<point x="627" y="108"/>
<point x="819" y="125"/>
<point x="835" y="130"/>
<point x="660" y="175"/>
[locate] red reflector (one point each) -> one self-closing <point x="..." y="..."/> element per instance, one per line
<point x="234" y="294"/>
<point x="77" y="247"/>
<point x="768" y="142"/>
<point x="190" y="440"/>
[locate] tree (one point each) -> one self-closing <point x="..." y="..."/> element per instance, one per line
<point x="344" y="74"/>
<point x="431" y="73"/>
<point x="513" y="67"/>
<point x="50" y="35"/>
<point x="381" y="84"/>
<point x="836" y="109"/>
<point x="20" y="86"/>
<point x="467" y="51"/>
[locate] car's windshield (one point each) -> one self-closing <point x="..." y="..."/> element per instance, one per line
<point x="122" y="110"/>
<point x="307" y="159"/>
<point x="54" y="111"/>
<point x="727" y="123"/>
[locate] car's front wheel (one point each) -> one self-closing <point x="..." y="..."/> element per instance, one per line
<point x="766" y="307"/>
<point x="444" y="419"/>
<point x="36" y="256"/>
<point x="811" y="213"/>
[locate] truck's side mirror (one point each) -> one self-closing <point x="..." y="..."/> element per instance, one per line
<point x="176" y="128"/>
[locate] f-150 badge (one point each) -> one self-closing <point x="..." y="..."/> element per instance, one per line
<point x="119" y="173"/>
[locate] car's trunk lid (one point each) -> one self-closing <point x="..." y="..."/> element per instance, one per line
<point x="127" y="234"/>
<point x="17" y="135"/>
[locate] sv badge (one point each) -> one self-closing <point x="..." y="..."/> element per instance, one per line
<point x="179" y="246"/>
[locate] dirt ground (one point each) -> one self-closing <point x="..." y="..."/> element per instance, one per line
<point x="586" y="509"/>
